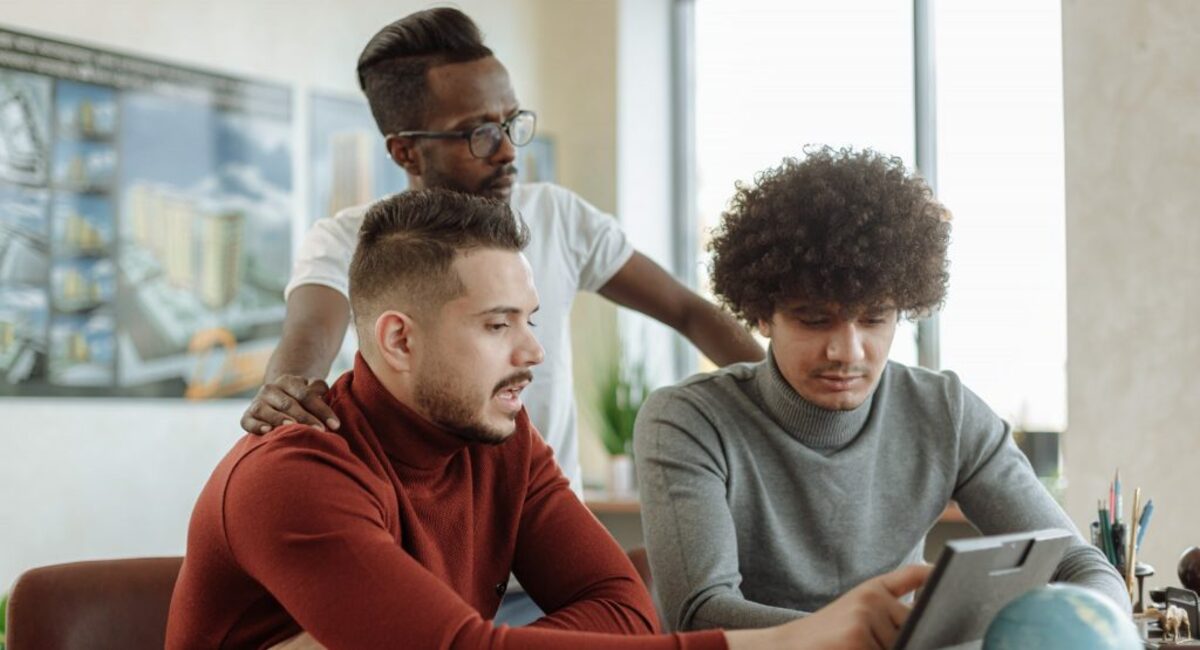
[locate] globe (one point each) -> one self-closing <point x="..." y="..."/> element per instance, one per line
<point x="1061" y="617"/>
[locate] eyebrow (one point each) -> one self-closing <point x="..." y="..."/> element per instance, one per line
<point x="481" y="118"/>
<point x="506" y="310"/>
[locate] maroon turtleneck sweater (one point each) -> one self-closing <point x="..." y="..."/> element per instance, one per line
<point x="393" y="532"/>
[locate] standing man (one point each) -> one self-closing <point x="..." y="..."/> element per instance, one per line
<point x="450" y="118"/>
<point x="769" y="489"/>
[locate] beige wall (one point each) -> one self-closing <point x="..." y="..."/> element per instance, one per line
<point x="1132" y="108"/>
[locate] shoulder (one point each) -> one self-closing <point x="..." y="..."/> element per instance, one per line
<point x="292" y="461"/>
<point x="938" y="396"/>
<point x="909" y="381"/>
<point x="701" y="397"/>
<point x="547" y="201"/>
<point x="345" y="223"/>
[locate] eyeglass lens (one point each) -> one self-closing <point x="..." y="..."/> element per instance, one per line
<point x="485" y="139"/>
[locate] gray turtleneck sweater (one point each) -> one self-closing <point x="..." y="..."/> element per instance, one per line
<point x="759" y="506"/>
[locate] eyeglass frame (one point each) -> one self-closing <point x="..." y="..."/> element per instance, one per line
<point x="466" y="134"/>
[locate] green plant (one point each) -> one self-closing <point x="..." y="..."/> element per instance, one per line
<point x="3" y="618"/>
<point x="622" y="393"/>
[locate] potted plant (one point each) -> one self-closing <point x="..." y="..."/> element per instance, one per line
<point x="622" y="393"/>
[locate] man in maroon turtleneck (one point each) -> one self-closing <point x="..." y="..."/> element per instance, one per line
<point x="400" y="529"/>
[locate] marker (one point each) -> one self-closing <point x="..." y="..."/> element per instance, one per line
<point x="1143" y="522"/>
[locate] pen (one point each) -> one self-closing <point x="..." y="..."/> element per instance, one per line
<point x="1117" y="492"/>
<point x="1143" y="522"/>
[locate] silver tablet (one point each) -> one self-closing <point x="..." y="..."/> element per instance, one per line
<point x="972" y="580"/>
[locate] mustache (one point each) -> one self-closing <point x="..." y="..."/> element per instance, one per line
<point x="503" y="171"/>
<point x="840" y="369"/>
<point x="513" y="380"/>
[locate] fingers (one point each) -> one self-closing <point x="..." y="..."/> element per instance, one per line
<point x="905" y="579"/>
<point x="289" y="399"/>
<point x="314" y="403"/>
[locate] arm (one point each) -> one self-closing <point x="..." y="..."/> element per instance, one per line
<point x="308" y="523"/>
<point x="316" y="321"/>
<point x="569" y="564"/>
<point x="644" y="286"/>
<point x="690" y="536"/>
<point x="999" y="493"/>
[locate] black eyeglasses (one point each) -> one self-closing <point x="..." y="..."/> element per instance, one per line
<point x="484" y="140"/>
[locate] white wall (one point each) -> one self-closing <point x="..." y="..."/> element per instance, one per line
<point x="1133" y="262"/>
<point x="98" y="478"/>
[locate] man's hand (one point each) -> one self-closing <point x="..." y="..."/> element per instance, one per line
<point x="867" y="617"/>
<point x="289" y="399"/>
<point x="302" y="641"/>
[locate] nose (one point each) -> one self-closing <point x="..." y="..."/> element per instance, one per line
<point x="505" y="153"/>
<point x="529" y="352"/>
<point x="845" y="344"/>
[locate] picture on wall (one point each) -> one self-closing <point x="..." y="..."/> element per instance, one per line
<point x="349" y="165"/>
<point x="145" y="224"/>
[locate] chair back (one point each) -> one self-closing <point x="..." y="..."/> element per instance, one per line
<point x="95" y="605"/>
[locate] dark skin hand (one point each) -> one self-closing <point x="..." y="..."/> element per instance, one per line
<point x="313" y="329"/>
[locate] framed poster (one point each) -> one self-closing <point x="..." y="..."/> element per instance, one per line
<point x="145" y="224"/>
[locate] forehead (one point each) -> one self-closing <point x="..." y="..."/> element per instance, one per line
<point x="469" y="89"/>
<point x="800" y="306"/>
<point x="493" y="277"/>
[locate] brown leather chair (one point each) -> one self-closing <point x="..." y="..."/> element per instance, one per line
<point x="93" y="605"/>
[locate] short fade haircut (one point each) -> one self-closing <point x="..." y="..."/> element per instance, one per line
<point x="393" y="67"/>
<point x="839" y="227"/>
<point x="408" y="244"/>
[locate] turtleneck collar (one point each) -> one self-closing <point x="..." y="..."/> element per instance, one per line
<point x="808" y="423"/>
<point x="405" y="436"/>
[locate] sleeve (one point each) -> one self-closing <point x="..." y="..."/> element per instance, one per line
<point x="325" y="253"/>
<point x="307" y="522"/>
<point x="595" y="241"/>
<point x="999" y="493"/>
<point x="690" y="537"/>
<point x="569" y="564"/>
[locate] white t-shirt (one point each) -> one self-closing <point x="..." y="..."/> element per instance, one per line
<point x="572" y="247"/>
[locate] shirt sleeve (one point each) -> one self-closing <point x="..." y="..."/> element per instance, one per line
<point x="308" y="522"/>
<point x="325" y="253"/>
<point x="999" y="493"/>
<point x="690" y="537"/>
<point x="595" y="241"/>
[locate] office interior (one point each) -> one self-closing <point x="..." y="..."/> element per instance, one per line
<point x="104" y="477"/>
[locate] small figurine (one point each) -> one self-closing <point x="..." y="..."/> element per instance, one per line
<point x="1174" y="623"/>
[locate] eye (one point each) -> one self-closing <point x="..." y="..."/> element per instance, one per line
<point x="531" y="323"/>
<point x="497" y="327"/>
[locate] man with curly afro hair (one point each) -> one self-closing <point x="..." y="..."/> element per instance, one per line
<point x="770" y="488"/>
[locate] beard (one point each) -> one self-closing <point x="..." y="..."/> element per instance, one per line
<point x="449" y="406"/>
<point x="435" y="178"/>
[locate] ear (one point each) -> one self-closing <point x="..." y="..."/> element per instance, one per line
<point x="395" y="335"/>
<point x="404" y="152"/>
<point x="764" y="328"/>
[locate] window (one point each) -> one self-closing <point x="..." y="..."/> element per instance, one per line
<point x="771" y="76"/>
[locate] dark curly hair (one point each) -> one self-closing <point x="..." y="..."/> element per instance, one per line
<point x="840" y="227"/>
